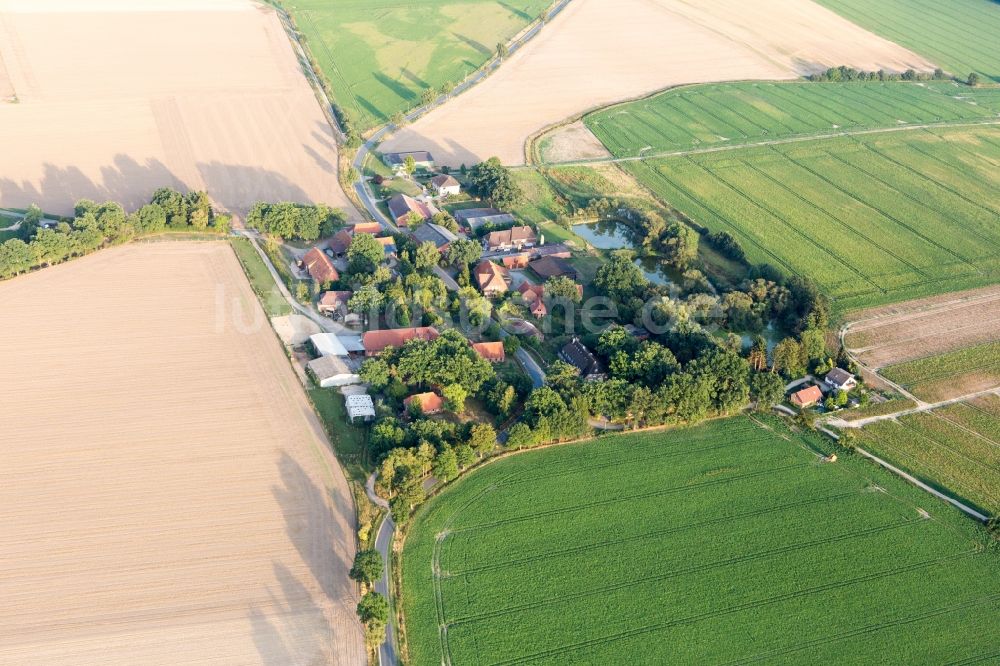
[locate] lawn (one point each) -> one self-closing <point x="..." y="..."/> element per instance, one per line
<point x="540" y="202"/>
<point x="932" y="377"/>
<point x="263" y="284"/>
<point x="959" y="35"/>
<point x="381" y="55"/>
<point x="956" y="448"/>
<point x="348" y="441"/>
<point x="721" y="543"/>
<point x="872" y="219"/>
<point x="699" y="117"/>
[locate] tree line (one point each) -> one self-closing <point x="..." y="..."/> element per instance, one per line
<point x="95" y="225"/>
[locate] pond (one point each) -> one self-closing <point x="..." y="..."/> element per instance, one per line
<point x="614" y="235"/>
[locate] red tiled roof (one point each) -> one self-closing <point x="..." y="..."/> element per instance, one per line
<point x="401" y="206"/>
<point x="333" y="299"/>
<point x="491" y="277"/>
<point x="491" y="351"/>
<point x="516" y="261"/>
<point x="367" y="228"/>
<point x="375" y="341"/>
<point x="807" y="396"/>
<point x="429" y="403"/>
<point x="319" y="266"/>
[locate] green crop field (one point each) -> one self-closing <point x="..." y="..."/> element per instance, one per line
<point x="725" y="543"/>
<point x="701" y="117"/>
<point x="872" y="219"/>
<point x="958" y="35"/>
<point x="956" y="448"/>
<point x="929" y="378"/>
<point x="381" y="55"/>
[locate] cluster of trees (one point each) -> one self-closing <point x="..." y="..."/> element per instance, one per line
<point x="295" y="221"/>
<point x="494" y="182"/>
<point x="727" y="245"/>
<point x="94" y="226"/>
<point x="844" y="73"/>
<point x="448" y="363"/>
<point x="373" y="609"/>
<point x="425" y="448"/>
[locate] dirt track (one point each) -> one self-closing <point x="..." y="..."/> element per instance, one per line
<point x="165" y="493"/>
<point x="118" y="97"/>
<point x="597" y="52"/>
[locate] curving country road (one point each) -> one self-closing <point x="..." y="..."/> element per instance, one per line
<point x="387" y="655"/>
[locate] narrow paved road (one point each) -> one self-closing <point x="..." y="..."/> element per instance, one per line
<point x="383" y="544"/>
<point x="531" y="366"/>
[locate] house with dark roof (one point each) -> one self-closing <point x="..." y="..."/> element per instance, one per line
<point x="583" y="360"/>
<point x="376" y="341"/>
<point x="508" y="240"/>
<point x="319" y="266"/>
<point x="397" y="161"/>
<point x="840" y="380"/>
<point x="435" y="233"/>
<point x="473" y="218"/>
<point x="550" y="266"/>
<point x="402" y="207"/>
<point x="445" y="185"/>
<point x="340" y="242"/>
<point x="493" y="279"/>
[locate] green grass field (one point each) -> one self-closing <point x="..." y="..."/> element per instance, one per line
<point x="267" y="291"/>
<point x="348" y="440"/>
<point x="956" y="448"/>
<point x="927" y="377"/>
<point x="723" y="543"/>
<point x="958" y="35"/>
<point x="381" y="55"/>
<point x="699" y="117"/>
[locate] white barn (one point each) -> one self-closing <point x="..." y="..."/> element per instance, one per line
<point x="360" y="407"/>
<point x="330" y="371"/>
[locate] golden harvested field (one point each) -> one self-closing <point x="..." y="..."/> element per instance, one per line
<point x="598" y="52"/>
<point x="119" y="97"/>
<point x="926" y="327"/>
<point x="166" y="492"/>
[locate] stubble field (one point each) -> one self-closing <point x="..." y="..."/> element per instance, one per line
<point x="119" y="97"/>
<point x="726" y="543"/>
<point x="596" y="53"/>
<point x="166" y="493"/>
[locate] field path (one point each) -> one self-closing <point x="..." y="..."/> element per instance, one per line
<point x="167" y="493"/>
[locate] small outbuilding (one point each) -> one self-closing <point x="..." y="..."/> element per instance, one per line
<point x="340" y="242"/>
<point x="334" y="302"/>
<point x="330" y="371"/>
<point x="474" y="218"/>
<point x="360" y="406"/>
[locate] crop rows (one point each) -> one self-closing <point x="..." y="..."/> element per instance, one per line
<point x="737" y="113"/>
<point x="747" y="546"/>
<point x="871" y="220"/>
<point x="959" y="35"/>
<point x="981" y="359"/>
<point x="957" y="457"/>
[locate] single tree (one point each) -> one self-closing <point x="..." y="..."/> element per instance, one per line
<point x="368" y="566"/>
<point x="483" y="438"/>
<point x="445" y="466"/>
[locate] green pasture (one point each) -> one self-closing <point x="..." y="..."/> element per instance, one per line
<point x="956" y="448"/>
<point x="260" y="278"/>
<point x="958" y="35"/>
<point x="730" y="542"/>
<point x="872" y="219"/>
<point x="381" y="55"/>
<point x="730" y="114"/>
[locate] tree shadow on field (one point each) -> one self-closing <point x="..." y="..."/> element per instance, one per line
<point x="477" y="46"/>
<point x="320" y="161"/>
<point x="414" y="79"/>
<point x="231" y="187"/>
<point x="375" y="113"/>
<point x="396" y="87"/>
<point x="517" y="12"/>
